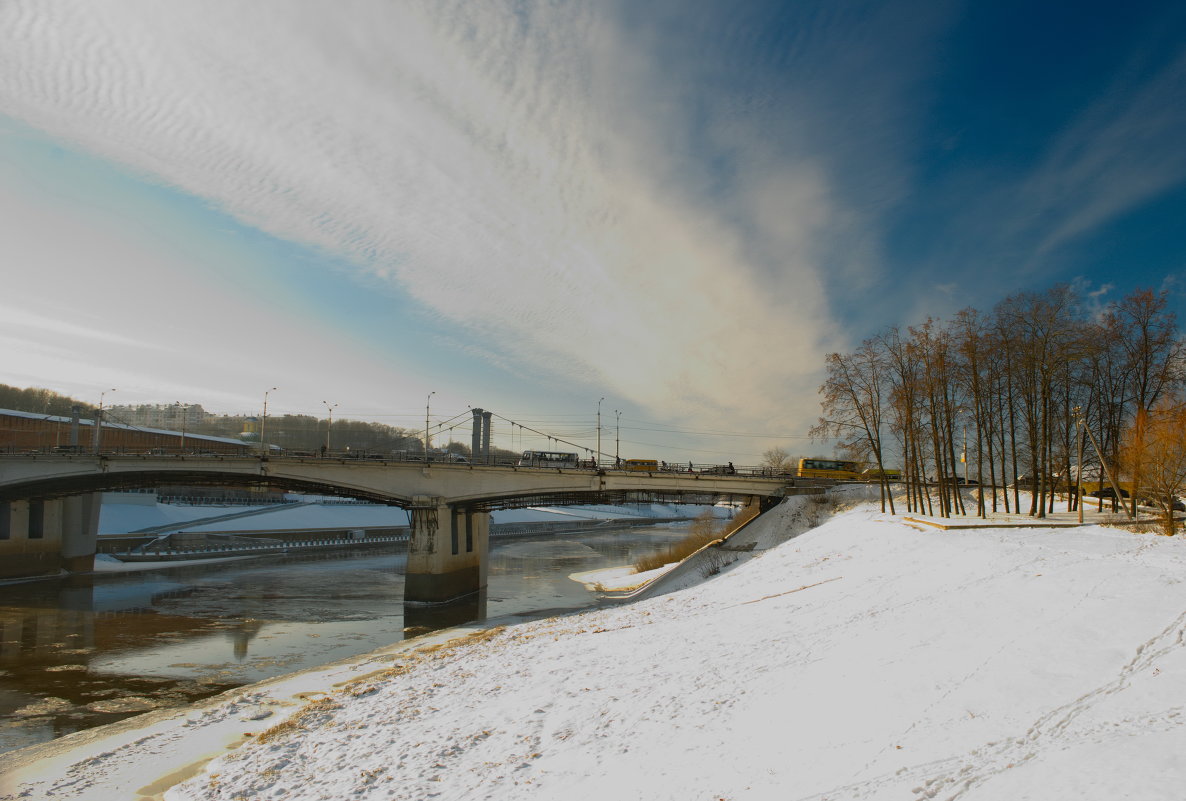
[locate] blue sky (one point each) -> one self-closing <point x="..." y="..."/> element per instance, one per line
<point x="679" y="207"/>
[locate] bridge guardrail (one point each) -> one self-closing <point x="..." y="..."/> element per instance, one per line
<point x="606" y="465"/>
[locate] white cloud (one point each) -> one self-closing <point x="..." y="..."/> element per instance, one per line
<point x="86" y="307"/>
<point x="473" y="155"/>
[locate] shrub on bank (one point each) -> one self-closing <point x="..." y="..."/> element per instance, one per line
<point x="704" y="530"/>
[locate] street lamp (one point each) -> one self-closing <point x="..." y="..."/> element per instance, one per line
<point x="184" y="409"/>
<point x="330" y="424"/>
<point x="263" y="424"/>
<point x="617" y="437"/>
<point x="426" y="403"/>
<point x="599" y="432"/>
<point x="97" y="436"/>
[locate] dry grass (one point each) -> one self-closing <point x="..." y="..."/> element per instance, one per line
<point x="704" y="530"/>
<point x="1143" y="526"/>
<point x="298" y="720"/>
<point x="460" y="642"/>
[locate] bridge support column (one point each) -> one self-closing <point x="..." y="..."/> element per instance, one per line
<point x="475" y="448"/>
<point x="447" y="555"/>
<point x="41" y="537"/>
<point x="80" y="530"/>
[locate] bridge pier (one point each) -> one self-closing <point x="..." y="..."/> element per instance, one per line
<point x="43" y="537"/>
<point x="80" y="530"/>
<point x="447" y="554"/>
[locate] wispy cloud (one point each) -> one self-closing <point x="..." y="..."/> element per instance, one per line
<point x="1122" y="151"/>
<point x="508" y="167"/>
<point x="29" y="322"/>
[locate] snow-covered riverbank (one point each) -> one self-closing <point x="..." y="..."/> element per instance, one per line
<point x="864" y="659"/>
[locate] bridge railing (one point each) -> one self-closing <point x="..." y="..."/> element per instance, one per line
<point x="607" y="465"/>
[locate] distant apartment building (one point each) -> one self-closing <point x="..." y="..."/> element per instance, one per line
<point x="176" y="416"/>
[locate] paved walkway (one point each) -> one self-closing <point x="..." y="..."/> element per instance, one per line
<point x="1060" y="518"/>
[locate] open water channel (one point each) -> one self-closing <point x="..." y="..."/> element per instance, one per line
<point x="83" y="651"/>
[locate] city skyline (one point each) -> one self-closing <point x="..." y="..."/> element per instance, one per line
<point x="526" y="207"/>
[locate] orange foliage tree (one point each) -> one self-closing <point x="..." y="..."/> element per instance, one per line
<point x="1154" y="454"/>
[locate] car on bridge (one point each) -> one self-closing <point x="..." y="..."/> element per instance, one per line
<point x="720" y="470"/>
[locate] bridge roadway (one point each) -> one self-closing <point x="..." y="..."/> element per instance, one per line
<point x="399" y="483"/>
<point x="449" y="502"/>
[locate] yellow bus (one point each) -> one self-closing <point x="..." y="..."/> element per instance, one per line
<point x="640" y="464"/>
<point x="829" y="468"/>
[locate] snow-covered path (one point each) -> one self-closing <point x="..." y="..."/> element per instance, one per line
<point x="864" y="659"/>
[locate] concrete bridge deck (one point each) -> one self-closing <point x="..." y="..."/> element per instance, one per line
<point x="449" y="502"/>
<point x="395" y="482"/>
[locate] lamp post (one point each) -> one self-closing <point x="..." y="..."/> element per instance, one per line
<point x="98" y="433"/>
<point x="617" y="437"/>
<point x="598" y="458"/>
<point x="263" y="424"/>
<point x="184" y="409"/>
<point x="427" y="401"/>
<point x="330" y="422"/>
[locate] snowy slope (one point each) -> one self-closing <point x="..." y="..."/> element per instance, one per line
<point x="863" y="659"/>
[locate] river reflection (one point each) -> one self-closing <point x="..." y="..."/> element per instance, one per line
<point x="82" y="651"/>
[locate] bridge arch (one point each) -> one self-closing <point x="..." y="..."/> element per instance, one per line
<point x="451" y="501"/>
<point x="83" y="484"/>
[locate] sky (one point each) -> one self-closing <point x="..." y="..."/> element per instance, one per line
<point x="528" y="207"/>
<point x="865" y="658"/>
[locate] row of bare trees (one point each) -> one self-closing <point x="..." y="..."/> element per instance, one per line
<point x="1001" y="397"/>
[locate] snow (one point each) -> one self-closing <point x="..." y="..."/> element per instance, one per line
<point x="866" y="658"/>
<point x="109" y="564"/>
<point x="121" y="518"/>
<point x="618" y="578"/>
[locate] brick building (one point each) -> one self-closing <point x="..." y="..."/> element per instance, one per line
<point x="28" y="432"/>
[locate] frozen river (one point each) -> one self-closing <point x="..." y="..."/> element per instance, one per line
<point x="87" y="650"/>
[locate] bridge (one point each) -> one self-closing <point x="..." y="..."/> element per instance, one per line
<point x="449" y="503"/>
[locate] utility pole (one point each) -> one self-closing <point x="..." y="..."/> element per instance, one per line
<point x="599" y="432"/>
<point x="617" y="437"/>
<point x="964" y="455"/>
<point x="1079" y="472"/>
<point x="1104" y="465"/>
<point x="427" y="401"/>
<point x="263" y="424"/>
<point x="98" y="433"/>
<point x="329" y="423"/>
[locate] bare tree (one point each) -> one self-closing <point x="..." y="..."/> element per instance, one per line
<point x="778" y="460"/>
<point x="853" y="403"/>
<point x="1018" y="381"/>
<point x="1148" y="334"/>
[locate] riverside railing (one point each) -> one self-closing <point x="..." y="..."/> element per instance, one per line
<point x="158" y="553"/>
